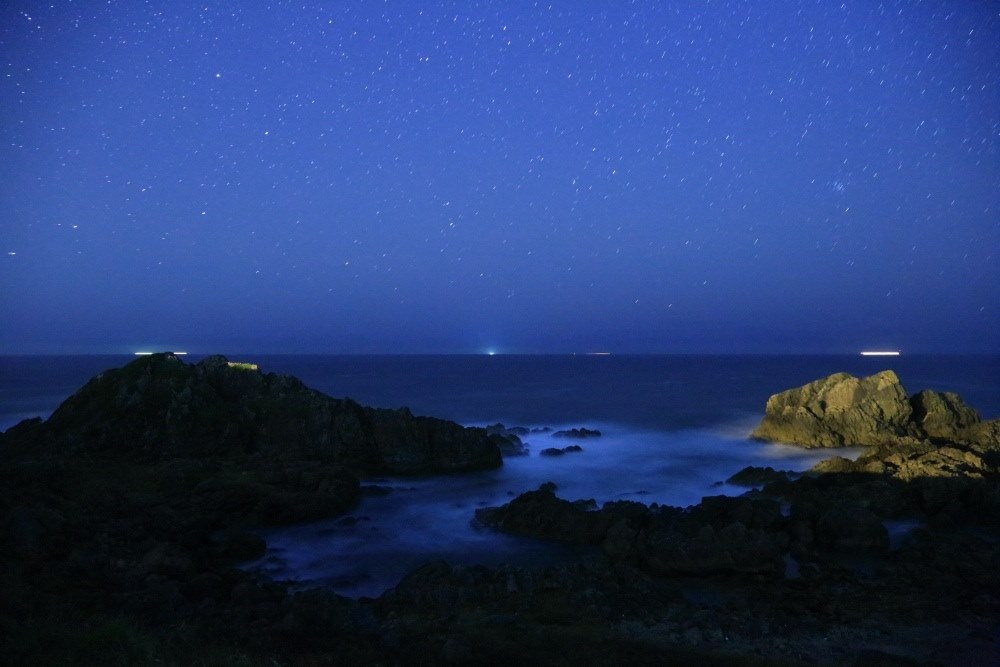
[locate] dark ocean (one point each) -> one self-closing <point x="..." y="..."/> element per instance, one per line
<point x="674" y="427"/>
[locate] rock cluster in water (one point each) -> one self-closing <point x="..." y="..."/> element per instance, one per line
<point x="841" y="410"/>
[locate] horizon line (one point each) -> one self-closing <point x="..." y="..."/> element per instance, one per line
<point x="854" y="353"/>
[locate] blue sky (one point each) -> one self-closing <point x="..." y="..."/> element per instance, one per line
<point x="519" y="176"/>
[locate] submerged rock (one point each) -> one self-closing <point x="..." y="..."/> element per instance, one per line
<point x="559" y="451"/>
<point x="579" y="433"/>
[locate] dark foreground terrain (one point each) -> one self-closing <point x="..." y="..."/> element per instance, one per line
<point x="123" y="518"/>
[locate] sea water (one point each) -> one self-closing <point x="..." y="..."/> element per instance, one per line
<point x="673" y="429"/>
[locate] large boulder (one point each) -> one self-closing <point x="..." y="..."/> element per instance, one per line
<point x="839" y="410"/>
<point x="944" y="416"/>
<point x="542" y="514"/>
<point x="158" y="407"/>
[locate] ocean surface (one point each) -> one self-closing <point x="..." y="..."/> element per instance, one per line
<point x="673" y="429"/>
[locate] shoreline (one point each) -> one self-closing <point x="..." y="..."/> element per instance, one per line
<point x="125" y="515"/>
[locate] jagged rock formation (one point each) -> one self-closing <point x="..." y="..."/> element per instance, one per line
<point x="721" y="535"/>
<point x="158" y="407"/>
<point x="842" y="410"/>
<point x="838" y="410"/>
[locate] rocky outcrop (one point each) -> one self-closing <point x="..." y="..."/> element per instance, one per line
<point x="842" y="410"/>
<point x="838" y="410"/>
<point x="541" y="514"/>
<point x="942" y="414"/>
<point x="159" y="407"/>
<point x="910" y="461"/>
<point x="721" y="535"/>
<point x="141" y="492"/>
<point x="756" y="476"/>
<point x="578" y="433"/>
<point x="559" y="451"/>
<point x="509" y="439"/>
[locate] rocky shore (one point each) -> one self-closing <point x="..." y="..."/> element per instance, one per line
<point x="841" y="410"/>
<point x="123" y="518"/>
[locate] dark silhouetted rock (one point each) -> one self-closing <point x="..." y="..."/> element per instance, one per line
<point x="541" y="514"/>
<point x="559" y="451"/>
<point x="851" y="528"/>
<point x="509" y="439"/>
<point x="710" y="551"/>
<point x="239" y="545"/>
<point x="722" y="535"/>
<point x="159" y="406"/>
<point x="755" y="476"/>
<point x="577" y="433"/>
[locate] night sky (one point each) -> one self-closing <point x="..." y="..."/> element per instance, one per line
<point x="408" y="177"/>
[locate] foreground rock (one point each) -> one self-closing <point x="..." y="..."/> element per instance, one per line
<point x="894" y="556"/>
<point x="722" y="535"/>
<point x="841" y="410"/>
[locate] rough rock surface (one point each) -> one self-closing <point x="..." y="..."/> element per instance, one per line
<point x="842" y="410"/>
<point x="722" y="535"/>
<point x="838" y="410"/>
<point x="942" y="414"/>
<point x="159" y="406"/>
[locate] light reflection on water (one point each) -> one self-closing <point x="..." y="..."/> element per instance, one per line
<point x="424" y="519"/>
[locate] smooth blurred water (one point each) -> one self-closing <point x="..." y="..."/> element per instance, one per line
<point x="674" y="427"/>
<point x="429" y="518"/>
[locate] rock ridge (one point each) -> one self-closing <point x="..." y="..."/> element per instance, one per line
<point x="159" y="407"/>
<point x="844" y="410"/>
